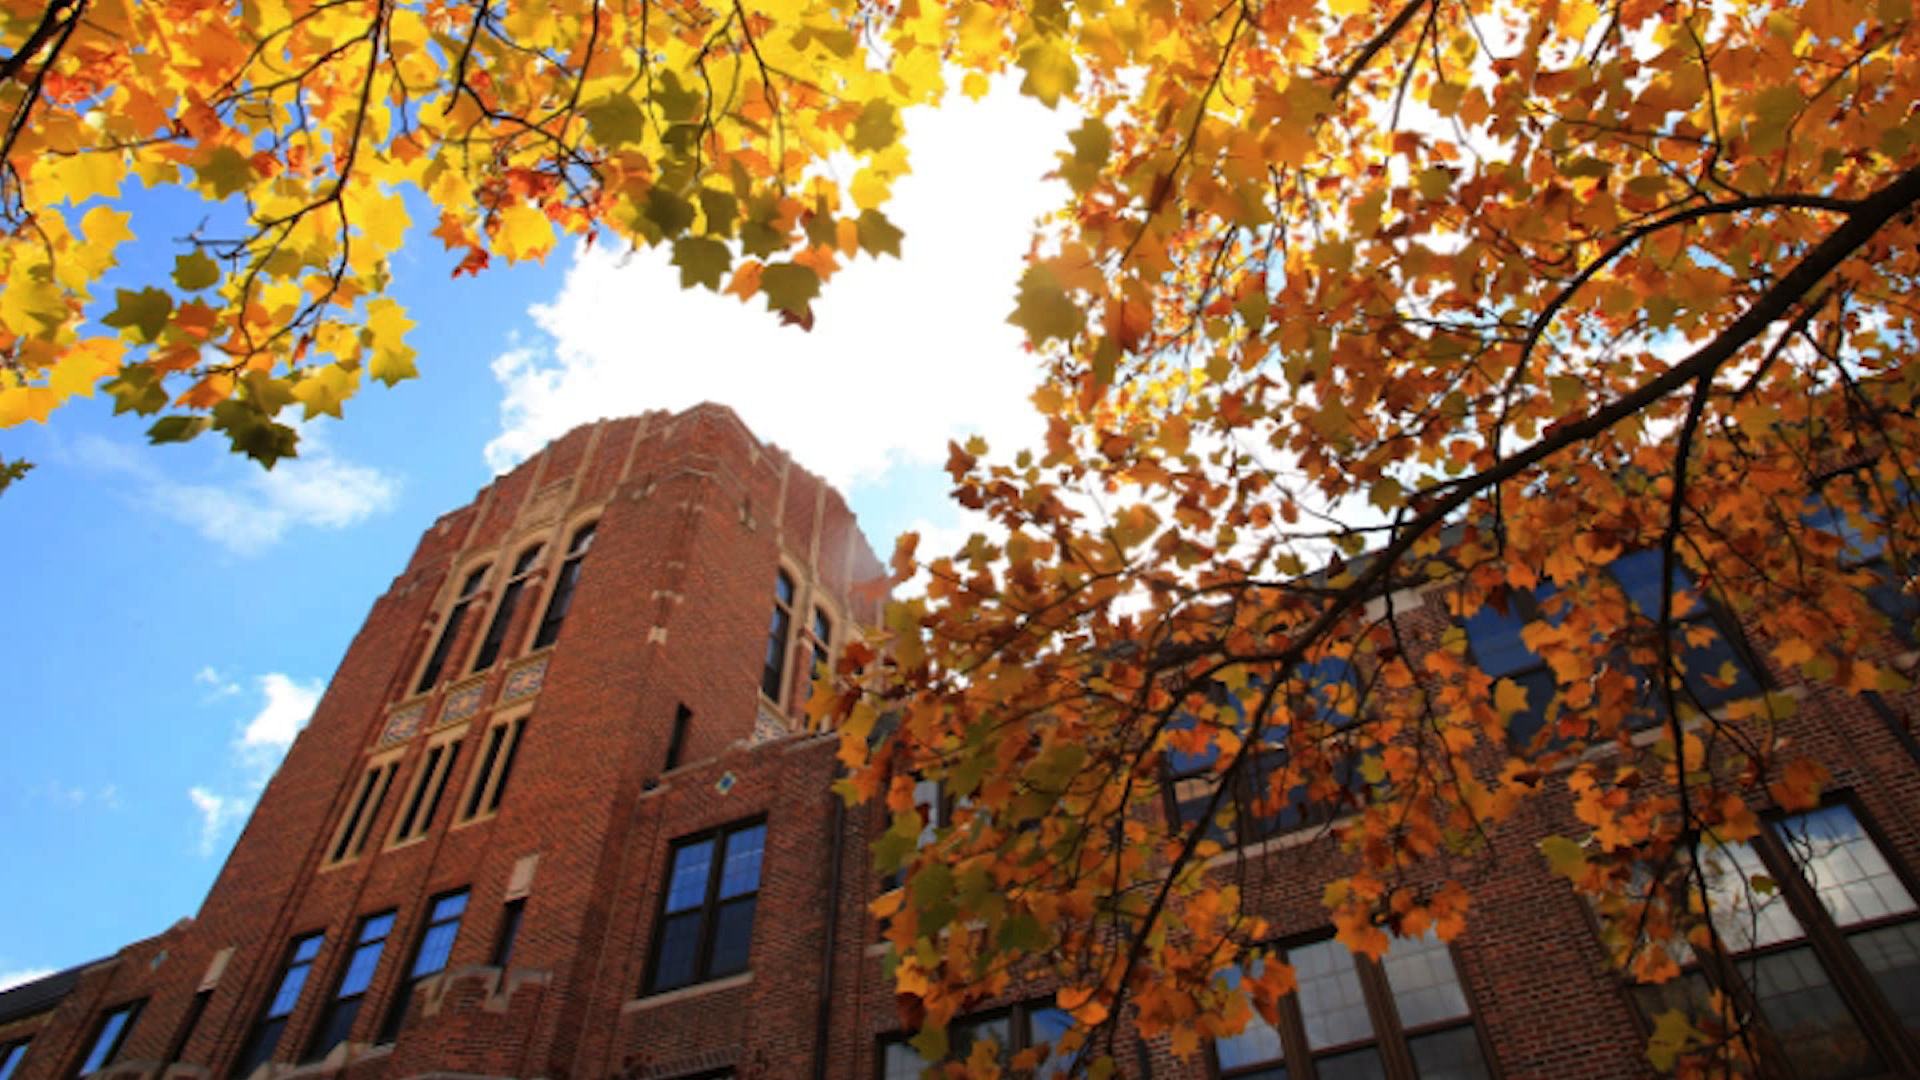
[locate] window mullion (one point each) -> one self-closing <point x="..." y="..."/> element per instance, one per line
<point x="710" y="908"/>
<point x="1395" y="1059"/>
<point x="1877" y="1021"/>
<point x="1293" y="1038"/>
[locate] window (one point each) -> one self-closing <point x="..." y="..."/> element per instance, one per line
<point x="1406" y="1016"/>
<point x="431" y="673"/>
<point x="1009" y="1031"/>
<point x="184" y="1033"/>
<point x="1712" y="671"/>
<point x="509" y="934"/>
<point x="429" y="957"/>
<point x="416" y="814"/>
<point x="1820" y="949"/>
<point x="265" y="1037"/>
<point x="677" y="742"/>
<point x="822" y="647"/>
<point x="503" y="611"/>
<point x="706" y="917"/>
<point x="352" y="837"/>
<point x="336" y="1023"/>
<point x="496" y="764"/>
<point x="1870" y="556"/>
<point x="1327" y="696"/>
<point x="10" y="1055"/>
<point x="563" y="587"/>
<point x="774" y="673"/>
<point x="935" y="806"/>
<point x="109" y="1036"/>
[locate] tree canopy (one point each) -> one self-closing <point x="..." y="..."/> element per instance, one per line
<point x="1593" y="317"/>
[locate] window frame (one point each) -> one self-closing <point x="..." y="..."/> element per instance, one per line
<point x="493" y="642"/>
<point x="506" y="935"/>
<point x="431" y="920"/>
<point x="435" y="664"/>
<point x="1526" y="606"/>
<point x="1020" y="1032"/>
<point x="339" y="1000"/>
<point x="1390" y="1037"/>
<point x="259" y="1047"/>
<point x="1302" y="814"/>
<point x="566" y="582"/>
<point x="349" y="839"/>
<point x="493" y="767"/>
<point x="774" y="666"/>
<point x="709" y="908"/>
<point x="427" y="788"/>
<point x="12" y="1053"/>
<point x="1734" y="970"/>
<point x="109" y="1038"/>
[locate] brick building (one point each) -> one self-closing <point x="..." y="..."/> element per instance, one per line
<point x="555" y="817"/>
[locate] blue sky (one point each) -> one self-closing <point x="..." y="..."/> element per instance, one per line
<point x="174" y="612"/>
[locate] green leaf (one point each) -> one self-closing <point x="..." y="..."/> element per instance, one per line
<point x="668" y="212"/>
<point x="1023" y="933"/>
<point x="677" y="104"/>
<point x="877" y="234"/>
<point x="224" y="172"/>
<point x="137" y="389"/>
<point x="1043" y="310"/>
<point x="877" y="128"/>
<point x="615" y="120"/>
<point x="931" y="1043"/>
<point x="701" y="261"/>
<point x="1092" y="146"/>
<point x="721" y="211"/>
<point x="789" y="287"/>
<point x="1565" y="857"/>
<point x="252" y="434"/>
<point x="194" y="270"/>
<point x="176" y="429"/>
<point x="144" y="312"/>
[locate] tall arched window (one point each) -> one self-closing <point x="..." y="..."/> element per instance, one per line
<point x="563" y="587"/>
<point x="503" y="614"/>
<point x="450" y="631"/>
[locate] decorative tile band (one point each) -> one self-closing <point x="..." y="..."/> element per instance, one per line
<point x="463" y="702"/>
<point x="524" y="681"/>
<point x="403" y="723"/>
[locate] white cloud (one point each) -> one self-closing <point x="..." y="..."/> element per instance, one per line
<point x="262" y="741"/>
<point x="317" y="490"/>
<point x="22" y="976"/>
<point x="218" y="685"/>
<point x="904" y="354"/>
<point x="289" y="704"/>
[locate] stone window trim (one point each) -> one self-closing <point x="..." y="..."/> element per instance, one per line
<point x="566" y="581"/>
<point x="500" y="744"/>
<point x="427" y="788"/>
<point x="1391" y="1032"/>
<point x="1796" y="918"/>
<point x="109" y="1036"/>
<point x="365" y="799"/>
<point x="439" y="659"/>
<point x="493" y="643"/>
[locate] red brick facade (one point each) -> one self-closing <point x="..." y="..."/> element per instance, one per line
<point x="668" y="627"/>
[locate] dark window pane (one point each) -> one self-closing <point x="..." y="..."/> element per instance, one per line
<point x="1891" y="955"/>
<point x="679" y="948"/>
<point x="1494" y="636"/>
<point x="435" y="946"/>
<point x="1352" y="1065"/>
<point x="335" y="1026"/>
<point x="732" y="935"/>
<point x="260" y="1046"/>
<point x="1047" y="1026"/>
<point x="899" y="1061"/>
<point x="360" y="970"/>
<point x="514" y="734"/>
<point x="497" y="629"/>
<point x="509" y="932"/>
<point x="1807" y="1017"/>
<point x="1426" y="989"/>
<point x="1453" y="1054"/>
<point x="1539" y="688"/>
<point x="494" y="738"/>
